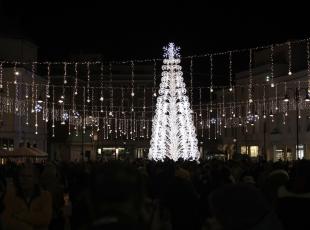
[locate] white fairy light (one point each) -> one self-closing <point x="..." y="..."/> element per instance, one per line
<point x="101" y="86"/>
<point x="173" y="131"/>
<point x="191" y="81"/>
<point x="36" y="111"/>
<point x="111" y="90"/>
<point x="223" y="102"/>
<point x="88" y="82"/>
<point x="76" y="79"/>
<point x="16" y="73"/>
<point x="154" y="78"/>
<point x="277" y="102"/>
<point x="200" y="109"/>
<point x="32" y="87"/>
<point x="47" y="89"/>
<point x="308" y="64"/>
<point x="230" y="71"/>
<point x="250" y="78"/>
<point x="53" y="112"/>
<point x="271" y="66"/>
<point x="69" y="124"/>
<point x="211" y="73"/>
<point x="264" y="102"/>
<point x="289" y="53"/>
<point x="132" y="85"/>
<point x="122" y="101"/>
<point x="7" y="96"/>
<point x="84" y="111"/>
<point x="65" y="73"/>
<point x="1" y="75"/>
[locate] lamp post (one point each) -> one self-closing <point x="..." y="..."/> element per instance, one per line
<point x="297" y="100"/>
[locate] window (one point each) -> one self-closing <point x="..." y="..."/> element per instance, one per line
<point x="11" y="144"/>
<point x="278" y="154"/>
<point x="253" y="151"/>
<point x="7" y="144"/>
<point x="244" y="150"/>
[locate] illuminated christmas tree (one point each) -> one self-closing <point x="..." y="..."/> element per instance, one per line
<point x="173" y="131"/>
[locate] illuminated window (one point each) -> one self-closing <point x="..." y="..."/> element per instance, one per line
<point x="278" y="154"/>
<point x="253" y="151"/>
<point x="244" y="150"/>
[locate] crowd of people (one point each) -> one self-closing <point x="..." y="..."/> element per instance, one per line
<point x="142" y="194"/>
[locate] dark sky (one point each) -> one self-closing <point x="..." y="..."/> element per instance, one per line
<point x="119" y="30"/>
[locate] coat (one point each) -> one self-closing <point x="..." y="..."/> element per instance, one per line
<point x="33" y="215"/>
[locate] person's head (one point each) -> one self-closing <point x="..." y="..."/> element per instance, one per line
<point x="301" y="176"/>
<point x="2" y="193"/>
<point x="118" y="193"/>
<point x="27" y="177"/>
<point x="238" y="206"/>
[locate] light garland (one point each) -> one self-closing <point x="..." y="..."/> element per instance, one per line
<point x="88" y="82"/>
<point x="16" y="73"/>
<point x="111" y="91"/>
<point x="1" y="75"/>
<point x="271" y="66"/>
<point x="32" y="87"/>
<point x="211" y="74"/>
<point x="250" y="78"/>
<point x="53" y="113"/>
<point x="230" y="72"/>
<point x="27" y="105"/>
<point x="101" y="88"/>
<point x="191" y="82"/>
<point x="65" y="73"/>
<point x="308" y="64"/>
<point x="200" y="109"/>
<point x="144" y="107"/>
<point x="154" y="78"/>
<point x="289" y="58"/>
<point x="76" y="79"/>
<point x="132" y="86"/>
<point x="36" y="111"/>
<point x="84" y="111"/>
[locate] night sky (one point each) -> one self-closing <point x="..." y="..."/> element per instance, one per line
<point x="135" y="30"/>
<point x="121" y="30"/>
